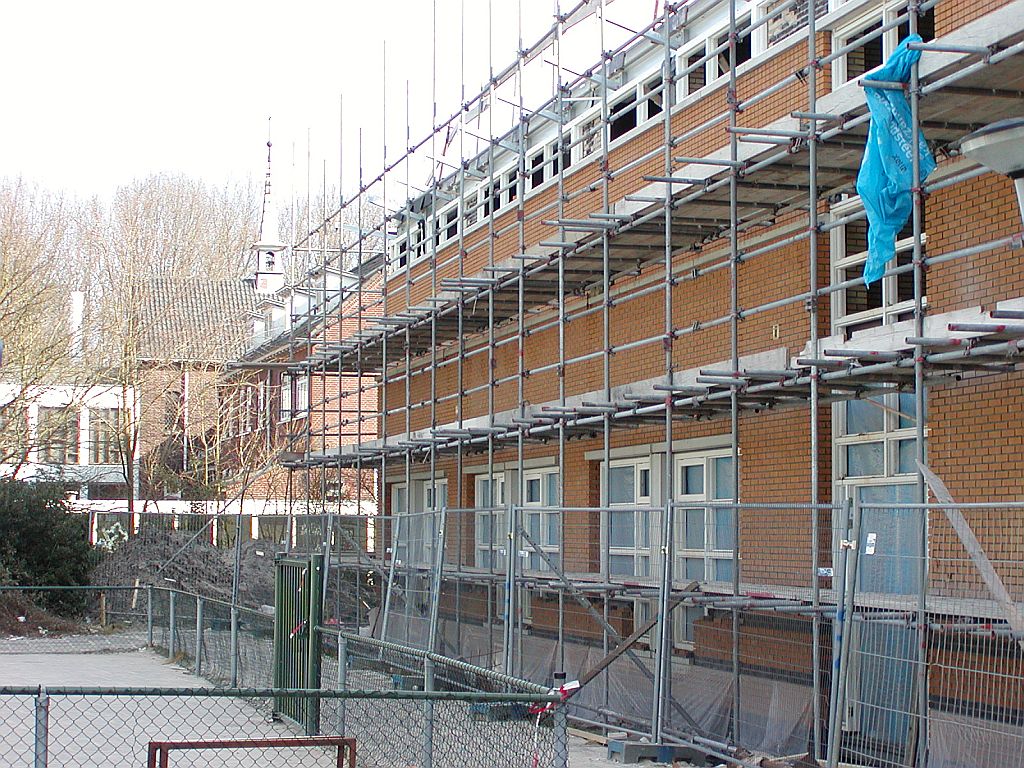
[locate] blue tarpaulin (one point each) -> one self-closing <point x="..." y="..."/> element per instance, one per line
<point x="886" y="172"/>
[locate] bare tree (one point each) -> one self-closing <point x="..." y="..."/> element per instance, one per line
<point x="38" y="267"/>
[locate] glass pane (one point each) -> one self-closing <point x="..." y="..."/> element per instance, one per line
<point x="483" y="499"/>
<point x="551" y="481"/>
<point x="694" y="529"/>
<point x="643" y="524"/>
<point x="643" y="565"/>
<point x="692" y="480"/>
<point x="693" y="568"/>
<point x="723" y="478"/>
<point x="690" y="615"/>
<point x="399" y="498"/>
<point x="621" y="532"/>
<point x="553" y="538"/>
<point x="863" y="417"/>
<point x="621" y="482"/>
<point x="621" y="565"/>
<point x="908" y="411"/>
<point x="907" y="458"/>
<point x="533" y="490"/>
<point x="533" y="526"/>
<point x="865" y="459"/>
<point x="860" y="298"/>
<point x="645" y="484"/>
<point x="725" y="534"/>
<point x="723" y="570"/>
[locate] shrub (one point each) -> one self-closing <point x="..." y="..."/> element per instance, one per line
<point x="42" y="543"/>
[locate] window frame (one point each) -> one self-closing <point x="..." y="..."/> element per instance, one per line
<point x="882" y="12"/>
<point x="492" y="519"/>
<point x="641" y="550"/>
<point x="101" y="449"/>
<point x="710" y="552"/>
<point x="66" y="428"/>
<point x="542" y="516"/>
<point x="840" y="261"/>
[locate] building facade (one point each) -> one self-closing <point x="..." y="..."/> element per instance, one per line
<point x="632" y="388"/>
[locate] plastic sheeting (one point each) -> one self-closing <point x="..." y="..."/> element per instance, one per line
<point x="775" y="715"/>
<point x="886" y="172"/>
<point x="955" y="741"/>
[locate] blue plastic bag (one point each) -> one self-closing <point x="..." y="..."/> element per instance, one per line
<point x="886" y="172"/>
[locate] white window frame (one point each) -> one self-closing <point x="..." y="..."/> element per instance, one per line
<point x="712" y="72"/>
<point x="891" y="436"/>
<point x="490" y="519"/>
<point x="539" y="521"/>
<point x="883" y="11"/>
<point x="399" y="546"/>
<point x="891" y="308"/>
<point x="710" y="553"/>
<point x="300" y="401"/>
<point x="641" y="550"/>
<point x="284" y="412"/>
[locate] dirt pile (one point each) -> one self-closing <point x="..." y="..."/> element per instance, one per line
<point x="20" y="617"/>
<point x="169" y="558"/>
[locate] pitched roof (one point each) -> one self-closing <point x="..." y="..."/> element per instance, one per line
<point x="194" y="320"/>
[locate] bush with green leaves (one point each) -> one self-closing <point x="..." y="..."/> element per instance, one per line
<point x="43" y="544"/>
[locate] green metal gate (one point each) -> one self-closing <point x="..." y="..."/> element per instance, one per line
<point x="298" y="605"/>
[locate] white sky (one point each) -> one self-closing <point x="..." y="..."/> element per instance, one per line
<point x="96" y="94"/>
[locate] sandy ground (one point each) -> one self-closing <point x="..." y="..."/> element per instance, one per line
<point x="115" y="731"/>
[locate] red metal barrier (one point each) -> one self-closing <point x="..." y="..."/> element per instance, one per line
<point x="160" y="751"/>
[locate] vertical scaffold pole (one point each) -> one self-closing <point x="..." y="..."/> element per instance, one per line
<point x="663" y="668"/>
<point x="734" y="264"/>
<point x="813" y="315"/>
<point x="921" y="680"/>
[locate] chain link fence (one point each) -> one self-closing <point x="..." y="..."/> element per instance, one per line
<point x="93" y="727"/>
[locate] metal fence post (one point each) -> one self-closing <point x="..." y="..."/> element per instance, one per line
<point x="198" y="667"/>
<point x="849" y="604"/>
<point x="342" y="680"/>
<point x="428" y="713"/>
<point x="561" y="736"/>
<point x="42" y="727"/>
<point x="234" y="646"/>
<point x="170" y="623"/>
<point x="149" y="615"/>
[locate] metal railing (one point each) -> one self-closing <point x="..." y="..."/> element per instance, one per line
<point x="115" y="726"/>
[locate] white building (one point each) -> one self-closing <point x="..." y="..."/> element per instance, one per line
<point x="75" y="435"/>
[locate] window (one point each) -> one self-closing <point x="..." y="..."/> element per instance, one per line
<point x="872" y="53"/>
<point x="13" y="433"/>
<point x="172" y="412"/>
<point x="876" y="437"/>
<point x="537" y="170"/>
<point x="705" y="536"/>
<point x="622" y="116"/>
<point x="544" y="523"/>
<point x="399" y="520"/>
<point x="489" y="522"/>
<point x="419" y="526"/>
<point x="104" y="435"/>
<point x="57" y="435"/>
<point x="885" y="301"/>
<point x="629" y="528"/>
<point x="719" y="65"/>
<point x="285" y="411"/>
<point x="697" y="77"/>
<point x="294" y="396"/>
<point x="300" y="403"/>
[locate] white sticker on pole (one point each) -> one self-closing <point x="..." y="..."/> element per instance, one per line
<point x="869" y="547"/>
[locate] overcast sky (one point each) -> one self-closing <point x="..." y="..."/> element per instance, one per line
<point x="96" y="94"/>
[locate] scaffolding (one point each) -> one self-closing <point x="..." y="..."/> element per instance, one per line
<point x="558" y="230"/>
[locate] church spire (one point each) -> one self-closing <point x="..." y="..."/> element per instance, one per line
<point x="269" y="248"/>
